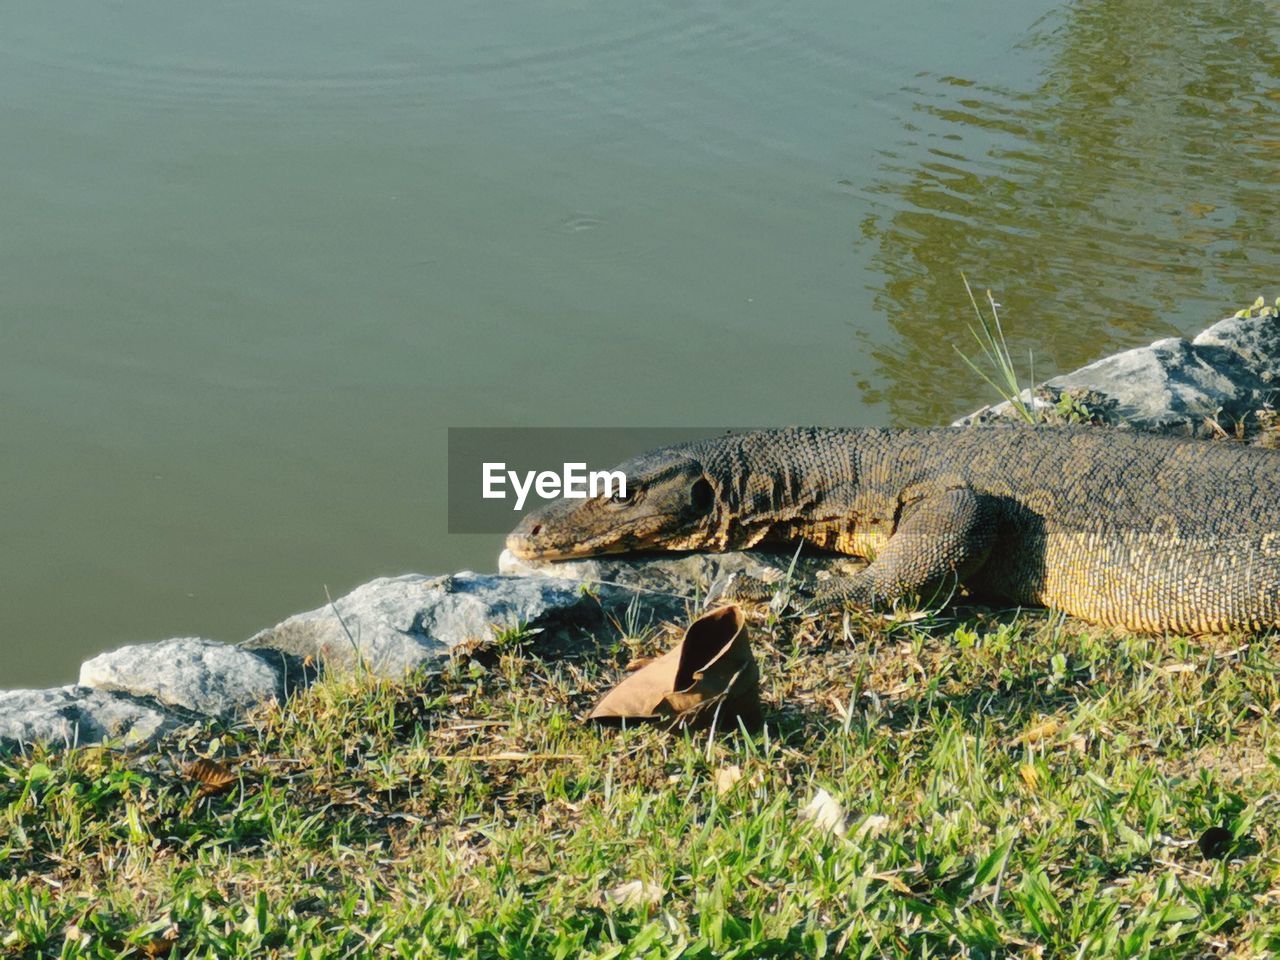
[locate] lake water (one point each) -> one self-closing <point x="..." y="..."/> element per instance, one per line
<point x="258" y="256"/>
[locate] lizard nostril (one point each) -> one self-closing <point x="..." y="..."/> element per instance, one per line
<point x="537" y="529"/>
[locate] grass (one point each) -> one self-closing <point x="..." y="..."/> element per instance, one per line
<point x="1041" y="404"/>
<point x="994" y="348"/>
<point x="1009" y="785"/>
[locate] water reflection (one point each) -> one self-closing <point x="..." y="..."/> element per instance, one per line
<point x="1131" y="194"/>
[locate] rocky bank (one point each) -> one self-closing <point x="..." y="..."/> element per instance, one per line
<point x="1223" y="380"/>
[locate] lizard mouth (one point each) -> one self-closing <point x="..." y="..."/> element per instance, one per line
<point x="536" y="539"/>
<point x="533" y="545"/>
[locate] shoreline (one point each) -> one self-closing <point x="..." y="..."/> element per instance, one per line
<point x="1210" y="385"/>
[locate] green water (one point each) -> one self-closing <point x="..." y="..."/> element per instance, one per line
<point x="257" y="257"/>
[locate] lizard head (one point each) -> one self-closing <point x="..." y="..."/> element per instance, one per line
<point x="670" y="504"/>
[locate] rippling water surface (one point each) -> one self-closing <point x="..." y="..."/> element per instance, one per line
<point x="258" y="256"/>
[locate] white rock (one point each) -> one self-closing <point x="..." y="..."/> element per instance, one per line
<point x="691" y="575"/>
<point x="1256" y="340"/>
<point x="76" y="716"/>
<point x="190" y="672"/>
<point x="1227" y="371"/>
<point x="398" y="624"/>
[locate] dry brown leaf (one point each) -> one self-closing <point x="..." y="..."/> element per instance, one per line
<point x="907" y="616"/>
<point x="162" y="944"/>
<point x="893" y="880"/>
<point x="1042" y="731"/>
<point x="159" y="947"/>
<point x="710" y="678"/>
<point x="1030" y="776"/>
<point x="213" y="777"/>
<point x="726" y="778"/>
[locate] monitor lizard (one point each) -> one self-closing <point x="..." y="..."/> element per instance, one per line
<point x="1114" y="527"/>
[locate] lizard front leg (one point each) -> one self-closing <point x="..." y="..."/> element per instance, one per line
<point x="944" y="538"/>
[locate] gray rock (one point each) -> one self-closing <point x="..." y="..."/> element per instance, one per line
<point x="189" y="672"/>
<point x="1254" y="340"/>
<point x="76" y="716"/>
<point x="398" y="624"/>
<point x="1226" y="372"/>
<point x="690" y="575"/>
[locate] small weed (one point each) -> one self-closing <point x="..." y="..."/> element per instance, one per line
<point x="1259" y="308"/>
<point x="1003" y="378"/>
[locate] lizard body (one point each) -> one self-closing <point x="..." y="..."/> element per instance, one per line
<point x="1146" y="532"/>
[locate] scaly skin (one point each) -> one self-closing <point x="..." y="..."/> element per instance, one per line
<point x="1144" y="532"/>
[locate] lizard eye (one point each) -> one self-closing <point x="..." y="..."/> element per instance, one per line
<point x="620" y="497"/>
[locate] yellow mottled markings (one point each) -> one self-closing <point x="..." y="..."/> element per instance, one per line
<point x="1142" y="582"/>
<point x="862" y="542"/>
<point x="1041" y="501"/>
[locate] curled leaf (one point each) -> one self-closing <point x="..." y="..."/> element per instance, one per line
<point x="213" y="777"/>
<point x="709" y="676"/>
